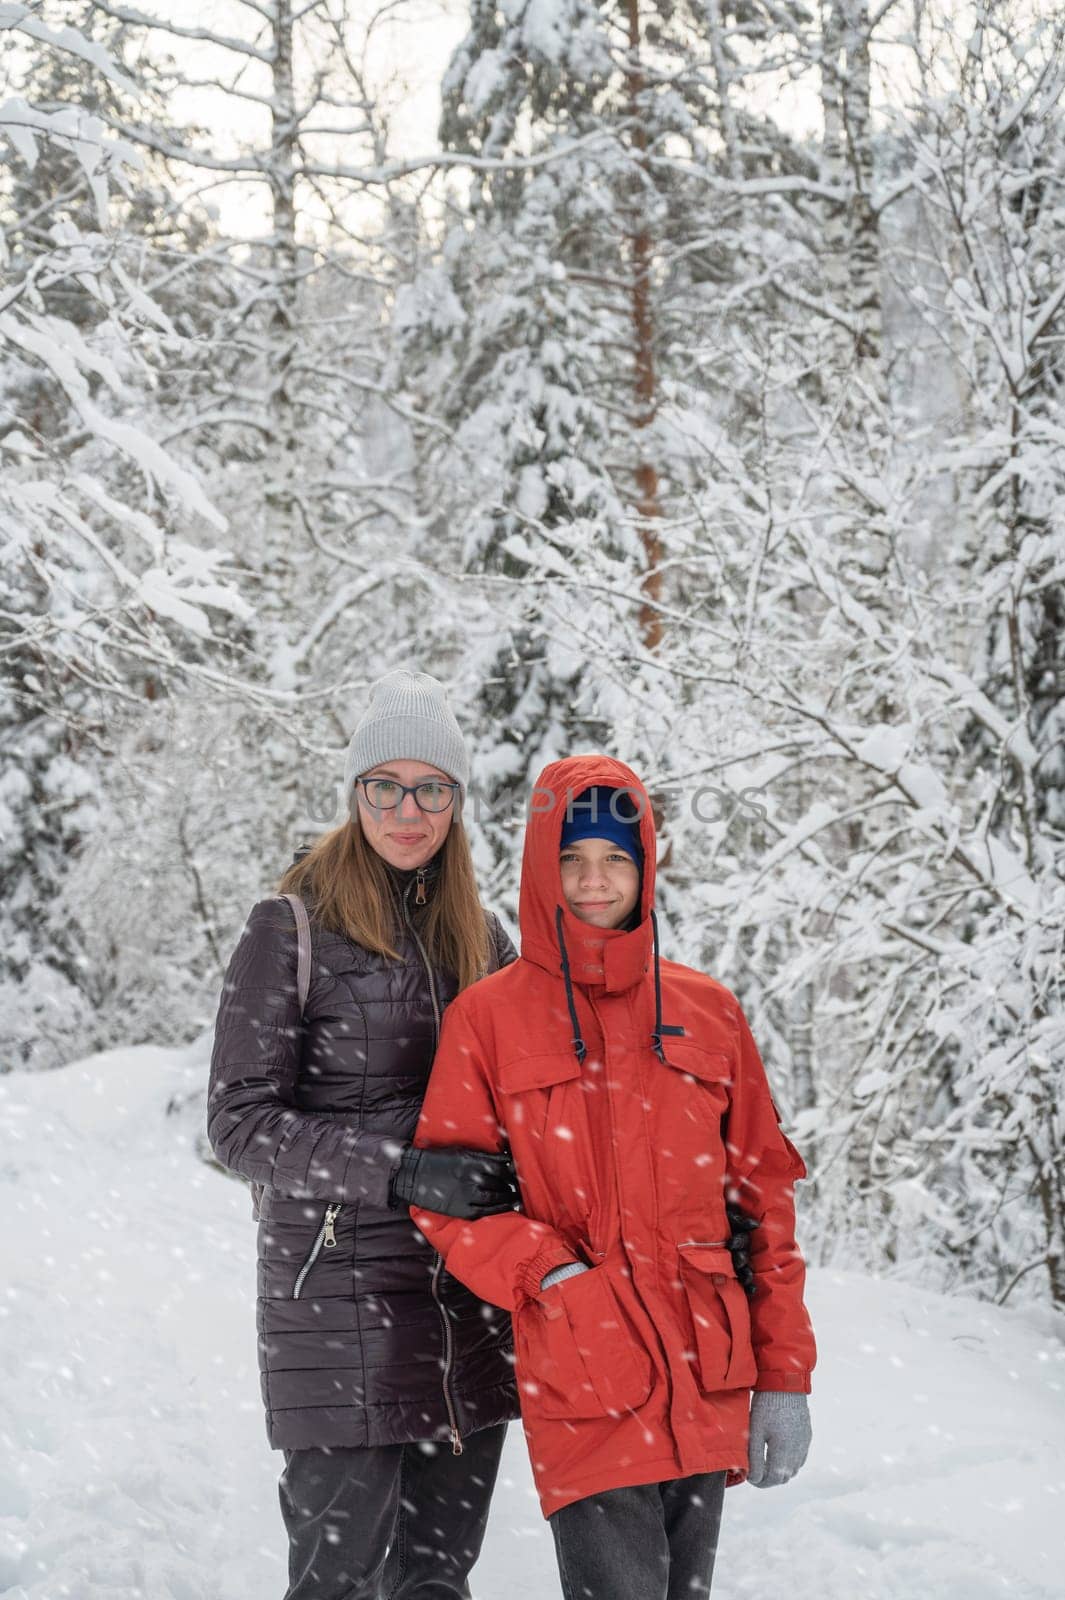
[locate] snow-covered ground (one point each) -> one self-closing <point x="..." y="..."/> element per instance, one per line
<point x="134" y="1464"/>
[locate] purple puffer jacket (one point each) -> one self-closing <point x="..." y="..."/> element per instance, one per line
<point x="364" y="1337"/>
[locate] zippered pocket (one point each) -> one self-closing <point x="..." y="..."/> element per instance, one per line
<point x="325" y="1239"/>
<point x="449" y="1352"/>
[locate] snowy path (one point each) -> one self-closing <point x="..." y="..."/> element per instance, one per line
<point x="134" y="1464"/>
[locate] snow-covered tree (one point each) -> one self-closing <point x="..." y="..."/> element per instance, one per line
<point x="912" y="890"/>
<point x="263" y="234"/>
<point x="108" y="585"/>
<point x="549" y="353"/>
<point x="997" y="189"/>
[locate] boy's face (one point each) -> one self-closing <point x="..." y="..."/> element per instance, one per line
<point x="600" y="882"/>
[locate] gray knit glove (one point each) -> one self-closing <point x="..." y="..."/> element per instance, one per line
<point x="780" y="1436"/>
<point x="556" y="1275"/>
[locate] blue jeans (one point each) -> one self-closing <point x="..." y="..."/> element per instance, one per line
<point x="656" y="1541"/>
<point x="391" y="1522"/>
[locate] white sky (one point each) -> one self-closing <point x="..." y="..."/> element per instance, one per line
<point x="407" y="45"/>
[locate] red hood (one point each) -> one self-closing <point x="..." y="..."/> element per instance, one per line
<point x="608" y="956"/>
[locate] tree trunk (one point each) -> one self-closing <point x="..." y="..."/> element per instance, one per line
<point x="648" y="504"/>
<point x="283" y="327"/>
<point x="833" y="172"/>
<point x="852" y="243"/>
<point x="648" y="501"/>
<point x="865" y="239"/>
<point x="730" y="133"/>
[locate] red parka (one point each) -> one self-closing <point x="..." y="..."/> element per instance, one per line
<point x="634" y="1102"/>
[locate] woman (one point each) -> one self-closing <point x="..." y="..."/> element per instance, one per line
<point x="387" y="1384"/>
<point x="638" y="1113"/>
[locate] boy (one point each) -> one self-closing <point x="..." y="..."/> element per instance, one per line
<point x="635" y="1106"/>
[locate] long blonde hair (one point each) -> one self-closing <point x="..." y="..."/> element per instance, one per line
<point x="345" y="885"/>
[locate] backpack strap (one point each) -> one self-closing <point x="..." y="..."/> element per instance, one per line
<point x="303" y="987"/>
<point x="303" y="947"/>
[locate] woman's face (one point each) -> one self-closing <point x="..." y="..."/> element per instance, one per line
<point x="405" y="836"/>
<point x="600" y="882"/>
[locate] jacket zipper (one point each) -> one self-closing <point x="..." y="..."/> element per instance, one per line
<point x="456" y="1437"/>
<point x="421" y="952"/>
<point x="325" y="1239"/>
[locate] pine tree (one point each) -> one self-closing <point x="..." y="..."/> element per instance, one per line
<point x="549" y="350"/>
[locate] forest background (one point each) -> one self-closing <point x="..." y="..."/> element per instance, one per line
<point x="677" y="378"/>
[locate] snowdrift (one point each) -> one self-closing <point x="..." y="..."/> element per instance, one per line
<point x="134" y="1462"/>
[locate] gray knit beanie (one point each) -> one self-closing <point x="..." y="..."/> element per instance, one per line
<point x="408" y="719"/>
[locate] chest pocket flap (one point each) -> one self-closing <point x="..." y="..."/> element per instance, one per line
<point x="686" y="1055"/>
<point x="537" y="1072"/>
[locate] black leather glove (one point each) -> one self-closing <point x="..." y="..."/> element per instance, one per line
<point x="460" y="1183"/>
<point x="741" y="1226"/>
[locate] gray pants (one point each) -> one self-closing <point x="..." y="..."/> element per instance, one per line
<point x="656" y="1541"/>
<point x="392" y="1522"/>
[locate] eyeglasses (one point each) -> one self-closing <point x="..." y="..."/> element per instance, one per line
<point x="385" y="794"/>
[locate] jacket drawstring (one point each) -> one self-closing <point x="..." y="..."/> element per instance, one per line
<point x="579" y="1046"/>
<point x="577" y="1042"/>
<point x="656" y="1037"/>
<point x="660" y="1026"/>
